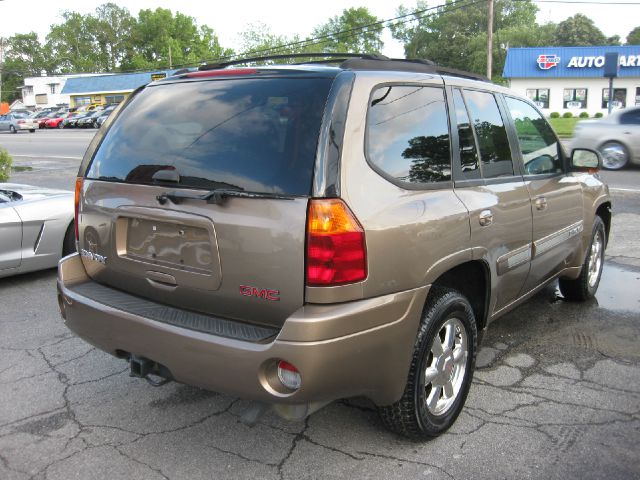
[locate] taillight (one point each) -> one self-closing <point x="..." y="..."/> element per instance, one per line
<point x="336" y="251"/>
<point x="20" y="122"/>
<point x="77" y="205"/>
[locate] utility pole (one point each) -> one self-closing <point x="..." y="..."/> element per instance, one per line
<point x="1" y="64"/>
<point x="490" y="40"/>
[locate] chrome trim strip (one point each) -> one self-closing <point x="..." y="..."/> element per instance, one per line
<point x="514" y="258"/>
<point x="549" y="242"/>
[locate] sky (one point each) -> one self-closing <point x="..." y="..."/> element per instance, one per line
<point x="288" y="17"/>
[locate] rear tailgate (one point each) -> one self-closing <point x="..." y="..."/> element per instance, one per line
<point x="242" y="258"/>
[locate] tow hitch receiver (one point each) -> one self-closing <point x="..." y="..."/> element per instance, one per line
<point x="142" y="367"/>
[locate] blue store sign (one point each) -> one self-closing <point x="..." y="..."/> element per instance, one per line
<point x="561" y="62"/>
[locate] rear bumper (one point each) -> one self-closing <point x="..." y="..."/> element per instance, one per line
<point x="341" y="350"/>
<point x="26" y="126"/>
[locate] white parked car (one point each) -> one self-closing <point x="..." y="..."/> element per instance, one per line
<point x="36" y="228"/>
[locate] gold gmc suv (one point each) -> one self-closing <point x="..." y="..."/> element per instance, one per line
<point x="296" y="234"/>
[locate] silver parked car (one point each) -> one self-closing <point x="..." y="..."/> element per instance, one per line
<point x="617" y="137"/>
<point x="36" y="228"/>
<point x="14" y="122"/>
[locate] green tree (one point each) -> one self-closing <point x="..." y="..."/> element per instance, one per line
<point x="73" y="44"/>
<point x="24" y="57"/>
<point x="347" y="32"/>
<point x="112" y="26"/>
<point x="634" y="37"/>
<point x="257" y="39"/>
<point x="456" y="36"/>
<point x="161" y="39"/>
<point x="578" y="31"/>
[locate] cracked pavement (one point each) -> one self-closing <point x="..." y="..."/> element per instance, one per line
<point x="556" y="394"/>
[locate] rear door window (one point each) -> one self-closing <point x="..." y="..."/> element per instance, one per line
<point x="539" y="146"/>
<point x="253" y="134"/>
<point x="495" y="153"/>
<point x="408" y="134"/>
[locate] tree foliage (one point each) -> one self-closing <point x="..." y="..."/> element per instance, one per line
<point x="634" y="36"/>
<point x="456" y="36"/>
<point x="355" y="31"/>
<point x="579" y="30"/>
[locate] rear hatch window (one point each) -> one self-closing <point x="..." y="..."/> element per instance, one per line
<point x="255" y="134"/>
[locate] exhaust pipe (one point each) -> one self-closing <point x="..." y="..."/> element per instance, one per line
<point x="142" y="367"/>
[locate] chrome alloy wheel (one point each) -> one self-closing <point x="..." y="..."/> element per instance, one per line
<point x="614" y="156"/>
<point x="595" y="259"/>
<point x="445" y="367"/>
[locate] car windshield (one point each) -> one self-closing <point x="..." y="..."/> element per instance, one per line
<point x="254" y="134"/>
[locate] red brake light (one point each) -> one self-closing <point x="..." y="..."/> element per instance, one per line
<point x="336" y="250"/>
<point x="20" y="121"/>
<point x="77" y="205"/>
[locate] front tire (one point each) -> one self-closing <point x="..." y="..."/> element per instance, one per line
<point x="614" y="155"/>
<point x="585" y="286"/>
<point x="441" y="368"/>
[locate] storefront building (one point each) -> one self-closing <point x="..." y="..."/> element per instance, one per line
<point x="570" y="79"/>
<point x="107" y="89"/>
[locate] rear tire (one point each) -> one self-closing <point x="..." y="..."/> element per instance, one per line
<point x="585" y="286"/>
<point x="69" y="242"/>
<point x="441" y="368"/>
<point x="12" y="129"/>
<point x="32" y="130"/>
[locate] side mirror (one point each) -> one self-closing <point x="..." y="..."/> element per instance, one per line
<point x="585" y="160"/>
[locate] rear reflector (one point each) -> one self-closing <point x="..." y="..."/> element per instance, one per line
<point x="289" y="375"/>
<point x="77" y="206"/>
<point x="336" y="251"/>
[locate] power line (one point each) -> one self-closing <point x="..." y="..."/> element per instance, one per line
<point x="584" y="2"/>
<point x="309" y="42"/>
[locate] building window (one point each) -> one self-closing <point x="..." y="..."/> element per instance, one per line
<point x="619" y="98"/>
<point x="27" y="90"/>
<point x="52" y="87"/>
<point x="540" y="96"/>
<point x="109" y="99"/>
<point x="79" y="101"/>
<point x="574" y="98"/>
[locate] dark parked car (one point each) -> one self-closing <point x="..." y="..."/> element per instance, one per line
<point x="72" y="122"/>
<point x="299" y="234"/>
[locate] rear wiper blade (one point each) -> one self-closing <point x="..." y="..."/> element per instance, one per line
<point x="217" y="196"/>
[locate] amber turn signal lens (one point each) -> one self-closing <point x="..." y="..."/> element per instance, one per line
<point x="336" y="251"/>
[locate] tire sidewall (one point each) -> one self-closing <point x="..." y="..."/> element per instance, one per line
<point x="457" y="307"/>
<point x="598" y="226"/>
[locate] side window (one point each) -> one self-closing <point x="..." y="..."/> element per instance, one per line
<point x="493" y="142"/>
<point x="408" y="134"/>
<point x="537" y="142"/>
<point x="632" y="117"/>
<point x="469" y="160"/>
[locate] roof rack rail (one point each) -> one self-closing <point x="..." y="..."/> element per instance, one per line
<point x="409" y="65"/>
<point x="359" y="61"/>
<point x="338" y="58"/>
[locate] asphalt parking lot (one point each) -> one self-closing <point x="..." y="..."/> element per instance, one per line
<point x="556" y="392"/>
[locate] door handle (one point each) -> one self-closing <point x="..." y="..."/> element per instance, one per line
<point x="541" y="203"/>
<point x="485" y="218"/>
